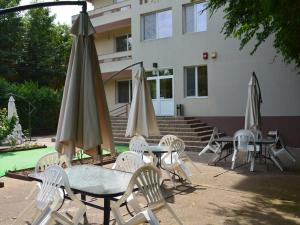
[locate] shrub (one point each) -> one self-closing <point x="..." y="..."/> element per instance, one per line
<point x="6" y="125"/>
<point x="46" y="102"/>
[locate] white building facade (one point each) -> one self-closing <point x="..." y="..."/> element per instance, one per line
<point x="190" y="63"/>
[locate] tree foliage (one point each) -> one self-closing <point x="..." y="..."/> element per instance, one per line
<point x="11" y="31"/>
<point x="33" y="47"/>
<point x="259" y="19"/>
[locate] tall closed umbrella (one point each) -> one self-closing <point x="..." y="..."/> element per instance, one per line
<point x="84" y="120"/>
<point x="11" y="108"/>
<point x="253" y="115"/>
<point x="141" y="119"/>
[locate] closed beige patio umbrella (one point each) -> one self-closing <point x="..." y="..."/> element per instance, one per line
<point x="141" y="119"/>
<point x="253" y="115"/>
<point x="84" y="120"/>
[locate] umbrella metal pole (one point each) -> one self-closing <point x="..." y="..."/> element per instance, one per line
<point x="43" y="4"/>
<point x="117" y="73"/>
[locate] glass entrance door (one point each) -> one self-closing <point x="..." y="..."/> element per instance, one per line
<point x="161" y="88"/>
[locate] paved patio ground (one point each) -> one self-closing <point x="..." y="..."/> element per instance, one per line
<point x="217" y="196"/>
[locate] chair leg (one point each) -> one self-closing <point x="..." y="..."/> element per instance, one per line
<point x="290" y="155"/>
<point x="171" y="178"/>
<point x="204" y="150"/>
<point x="252" y="162"/>
<point x="173" y="214"/>
<point x="277" y="163"/>
<point x="233" y="159"/>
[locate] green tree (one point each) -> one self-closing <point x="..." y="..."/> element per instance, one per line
<point x="245" y="19"/>
<point x="11" y="35"/>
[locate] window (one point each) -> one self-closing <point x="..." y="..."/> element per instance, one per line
<point x="195" y="19"/>
<point x="196" y="81"/>
<point x="118" y="1"/>
<point x="123" y="43"/>
<point x="124" y="91"/>
<point x="157" y="25"/>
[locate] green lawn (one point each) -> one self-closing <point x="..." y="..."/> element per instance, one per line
<point x="27" y="159"/>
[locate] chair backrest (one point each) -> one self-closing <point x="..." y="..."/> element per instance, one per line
<point x="167" y="140"/>
<point x="49" y="160"/>
<point x="214" y="135"/>
<point x="128" y="162"/>
<point x="242" y="139"/>
<point x="139" y="137"/>
<point x="178" y="146"/>
<point x="138" y="146"/>
<point x="53" y="178"/>
<point x="147" y="179"/>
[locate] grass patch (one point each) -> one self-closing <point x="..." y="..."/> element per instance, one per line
<point x="28" y="159"/>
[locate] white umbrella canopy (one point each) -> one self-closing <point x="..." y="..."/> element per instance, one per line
<point x="141" y="119"/>
<point x="84" y="120"/>
<point x="11" y="108"/>
<point x="254" y="100"/>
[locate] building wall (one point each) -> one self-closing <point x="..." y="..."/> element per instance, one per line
<point x="228" y="75"/>
<point x="105" y="42"/>
<point x="102" y="3"/>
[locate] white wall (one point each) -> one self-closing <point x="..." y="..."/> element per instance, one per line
<point x="228" y="75"/>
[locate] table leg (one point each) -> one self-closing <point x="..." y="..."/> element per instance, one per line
<point x="106" y="211"/>
<point x="83" y="198"/>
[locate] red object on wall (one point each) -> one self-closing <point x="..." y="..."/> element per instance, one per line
<point x="205" y="55"/>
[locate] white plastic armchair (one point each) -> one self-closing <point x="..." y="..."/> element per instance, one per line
<point x="53" y="178"/>
<point x="173" y="162"/>
<point x="129" y="162"/>
<point x="241" y="141"/>
<point x="277" y="149"/>
<point x="167" y="140"/>
<point x="147" y="180"/>
<point x="43" y="163"/>
<point x="212" y="145"/>
<point x="51" y="159"/>
<point x="139" y="146"/>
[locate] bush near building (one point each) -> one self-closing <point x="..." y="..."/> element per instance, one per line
<point x="46" y="101"/>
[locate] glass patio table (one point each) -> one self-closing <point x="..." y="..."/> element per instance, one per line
<point x="96" y="181"/>
<point x="158" y="151"/>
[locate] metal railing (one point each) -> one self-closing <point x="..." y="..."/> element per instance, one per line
<point x="120" y="111"/>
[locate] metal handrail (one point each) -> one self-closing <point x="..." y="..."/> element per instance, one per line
<point x="43" y="4"/>
<point x="120" y="108"/>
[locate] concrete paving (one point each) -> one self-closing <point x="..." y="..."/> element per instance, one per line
<point x="217" y="196"/>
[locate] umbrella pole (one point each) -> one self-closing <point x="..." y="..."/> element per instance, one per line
<point x="43" y="4"/>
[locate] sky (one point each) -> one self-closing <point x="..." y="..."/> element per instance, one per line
<point x="63" y="13"/>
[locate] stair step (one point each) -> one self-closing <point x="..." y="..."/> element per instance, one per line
<point x="176" y="133"/>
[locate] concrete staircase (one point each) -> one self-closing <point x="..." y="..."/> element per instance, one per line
<point x="192" y="131"/>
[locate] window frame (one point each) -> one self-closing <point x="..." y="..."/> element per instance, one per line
<point x="129" y="91"/>
<point x="156" y="25"/>
<point x="195" y="18"/>
<point x="196" y="82"/>
<point x="128" y="35"/>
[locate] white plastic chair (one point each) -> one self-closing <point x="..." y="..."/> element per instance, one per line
<point x="139" y="146"/>
<point x="278" y="149"/>
<point x="129" y="162"/>
<point x="51" y="159"/>
<point x="212" y="145"/>
<point x="167" y="140"/>
<point x="241" y="141"/>
<point x="146" y="179"/>
<point x="174" y="164"/>
<point x="53" y="178"/>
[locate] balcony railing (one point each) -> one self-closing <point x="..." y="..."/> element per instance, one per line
<point x="115" y="61"/>
<point x="114" y="57"/>
<point x="110" y="9"/>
